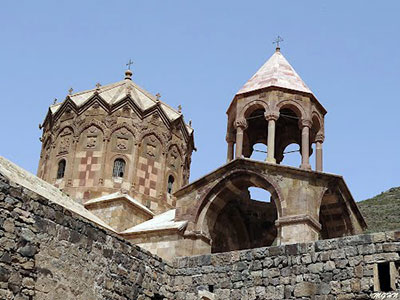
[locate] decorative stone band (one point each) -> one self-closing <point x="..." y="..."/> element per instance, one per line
<point x="320" y="137"/>
<point x="305" y="123"/>
<point x="241" y="123"/>
<point x="271" y="115"/>
<point x="299" y="219"/>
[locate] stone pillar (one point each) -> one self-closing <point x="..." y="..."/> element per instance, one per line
<point x="230" y="140"/>
<point x="240" y="125"/>
<point x="297" y="229"/>
<point x="271" y="117"/>
<point x="319" y="139"/>
<point x="305" y="126"/>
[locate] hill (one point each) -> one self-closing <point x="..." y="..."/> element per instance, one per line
<point x="382" y="212"/>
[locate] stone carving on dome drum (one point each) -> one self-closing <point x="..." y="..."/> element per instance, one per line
<point x="122" y="143"/>
<point x="91" y="139"/>
<point x="174" y="161"/>
<point x="155" y="120"/>
<point x="151" y="149"/>
<point x="126" y="111"/>
<point x="65" y="141"/>
<point x="110" y="121"/>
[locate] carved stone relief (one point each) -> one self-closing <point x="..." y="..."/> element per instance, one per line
<point x="109" y="121"/>
<point x="91" y="141"/>
<point x="122" y="140"/>
<point x="151" y="147"/>
<point x="65" y="141"/>
<point x="174" y="159"/>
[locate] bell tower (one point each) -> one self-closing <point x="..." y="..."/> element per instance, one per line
<point x="276" y="108"/>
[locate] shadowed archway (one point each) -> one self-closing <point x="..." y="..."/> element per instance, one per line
<point x="234" y="221"/>
<point x="334" y="216"/>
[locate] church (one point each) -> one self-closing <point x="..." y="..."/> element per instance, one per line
<point x="112" y="214"/>
<point x="123" y="156"/>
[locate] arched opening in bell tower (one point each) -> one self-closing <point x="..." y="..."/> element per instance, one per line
<point x="234" y="220"/>
<point x="288" y="137"/>
<point x="255" y="138"/>
<point x="259" y="152"/>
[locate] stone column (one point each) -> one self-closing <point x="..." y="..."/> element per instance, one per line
<point x="271" y="117"/>
<point x="319" y="139"/>
<point x="240" y="125"/>
<point x="230" y="140"/>
<point x="297" y="229"/>
<point x="305" y="144"/>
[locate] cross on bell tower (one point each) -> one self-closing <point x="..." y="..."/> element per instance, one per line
<point x="277" y="41"/>
<point x="130" y="62"/>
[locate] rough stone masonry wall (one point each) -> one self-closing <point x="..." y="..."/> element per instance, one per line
<point x="340" y="268"/>
<point x="48" y="253"/>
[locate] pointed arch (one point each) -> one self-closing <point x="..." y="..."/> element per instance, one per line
<point x="88" y="124"/>
<point x="61" y="129"/>
<point x="117" y="127"/>
<point x="149" y="132"/>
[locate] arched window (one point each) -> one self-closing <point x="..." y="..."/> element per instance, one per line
<point x="171" y="180"/>
<point x="119" y="168"/>
<point x="61" y="169"/>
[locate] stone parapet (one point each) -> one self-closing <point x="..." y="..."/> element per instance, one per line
<point x="341" y="268"/>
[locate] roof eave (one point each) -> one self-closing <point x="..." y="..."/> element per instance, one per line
<point x="272" y="87"/>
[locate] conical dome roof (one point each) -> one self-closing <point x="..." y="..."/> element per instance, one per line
<point x="275" y="72"/>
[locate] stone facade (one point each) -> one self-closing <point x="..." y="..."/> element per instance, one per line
<point x="117" y="137"/>
<point x="49" y="252"/>
<point x="301" y="209"/>
<point x="125" y="155"/>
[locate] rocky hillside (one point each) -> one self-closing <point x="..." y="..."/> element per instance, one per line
<point x="382" y="212"/>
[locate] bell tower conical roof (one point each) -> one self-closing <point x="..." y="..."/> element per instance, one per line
<point x="276" y="72"/>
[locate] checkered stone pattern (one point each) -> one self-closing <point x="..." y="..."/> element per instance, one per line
<point x="148" y="173"/>
<point x="88" y="166"/>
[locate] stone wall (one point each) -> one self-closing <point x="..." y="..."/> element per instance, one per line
<point x="343" y="268"/>
<point x="46" y="252"/>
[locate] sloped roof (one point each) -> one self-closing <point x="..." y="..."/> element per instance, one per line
<point x="119" y="195"/>
<point x="22" y="177"/>
<point x="163" y="221"/>
<point x="275" y="72"/>
<point x="115" y="92"/>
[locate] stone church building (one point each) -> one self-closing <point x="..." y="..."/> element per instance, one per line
<point x="114" y="172"/>
<point x="125" y="156"/>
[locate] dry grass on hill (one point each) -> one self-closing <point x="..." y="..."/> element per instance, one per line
<point x="382" y="212"/>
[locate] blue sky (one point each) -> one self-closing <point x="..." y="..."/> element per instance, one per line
<point x="198" y="54"/>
